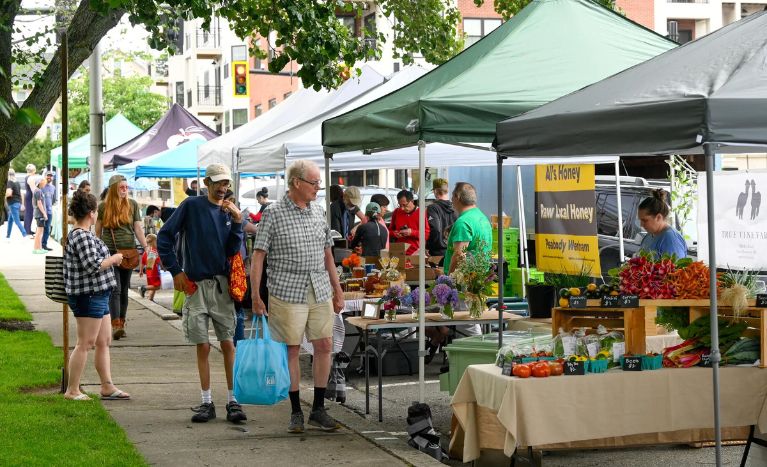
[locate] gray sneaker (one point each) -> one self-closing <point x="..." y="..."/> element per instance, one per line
<point x="322" y="420"/>
<point x="296" y="424"/>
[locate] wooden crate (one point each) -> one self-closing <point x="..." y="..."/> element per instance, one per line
<point x="630" y="320"/>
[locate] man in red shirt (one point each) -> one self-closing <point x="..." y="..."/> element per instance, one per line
<point x="404" y="222"/>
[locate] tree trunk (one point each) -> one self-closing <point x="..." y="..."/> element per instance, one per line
<point x="85" y="30"/>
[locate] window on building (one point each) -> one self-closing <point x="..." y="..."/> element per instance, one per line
<point x="286" y="95"/>
<point x="180" y="93"/>
<point x="272" y="103"/>
<point x="239" y="118"/>
<point x="226" y="122"/>
<point x="400" y="178"/>
<point x="349" y="178"/>
<point x="350" y="22"/>
<point x="226" y="70"/>
<point x="477" y="28"/>
<point x="239" y="53"/>
<point x="685" y="36"/>
<point x="258" y="110"/>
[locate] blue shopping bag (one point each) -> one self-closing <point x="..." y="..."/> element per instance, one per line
<point x="261" y="375"/>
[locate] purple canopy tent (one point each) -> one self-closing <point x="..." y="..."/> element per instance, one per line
<point x="177" y="126"/>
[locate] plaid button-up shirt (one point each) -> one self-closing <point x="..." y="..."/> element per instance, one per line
<point x="294" y="240"/>
<point x="82" y="264"/>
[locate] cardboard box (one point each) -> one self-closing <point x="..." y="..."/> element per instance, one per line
<point x="397" y="249"/>
<point x="412" y="274"/>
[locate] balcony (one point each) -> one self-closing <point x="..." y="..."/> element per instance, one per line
<point x="209" y="101"/>
<point x="204" y="44"/>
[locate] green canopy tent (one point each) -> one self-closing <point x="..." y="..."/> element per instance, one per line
<point x="117" y="131"/>
<point x="549" y="49"/>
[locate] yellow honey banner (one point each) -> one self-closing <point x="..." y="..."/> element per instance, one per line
<point x="567" y="254"/>
<point x="564" y="177"/>
<point x="178" y="190"/>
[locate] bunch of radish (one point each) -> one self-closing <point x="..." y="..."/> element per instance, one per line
<point x="647" y="278"/>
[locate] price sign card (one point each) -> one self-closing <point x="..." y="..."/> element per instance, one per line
<point x="574" y="368"/>
<point x="506" y="371"/>
<point x="632" y="363"/>
<point x="629" y="301"/>
<point x="578" y="302"/>
<point x="761" y="300"/>
<point x="610" y="301"/>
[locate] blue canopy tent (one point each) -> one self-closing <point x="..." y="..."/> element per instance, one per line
<point x="176" y="162"/>
<point x="117" y="131"/>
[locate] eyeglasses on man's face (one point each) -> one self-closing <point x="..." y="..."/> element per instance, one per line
<point x="315" y="184"/>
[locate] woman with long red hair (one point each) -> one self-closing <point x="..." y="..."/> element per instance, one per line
<point x="119" y="224"/>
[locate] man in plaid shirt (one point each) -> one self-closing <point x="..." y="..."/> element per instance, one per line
<point x="304" y="291"/>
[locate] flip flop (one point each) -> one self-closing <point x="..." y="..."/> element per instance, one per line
<point x="79" y="397"/>
<point x="118" y="395"/>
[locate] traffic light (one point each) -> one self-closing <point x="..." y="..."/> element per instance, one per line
<point x="241" y="79"/>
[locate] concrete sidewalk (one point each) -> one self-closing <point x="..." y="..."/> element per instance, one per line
<point x="155" y="365"/>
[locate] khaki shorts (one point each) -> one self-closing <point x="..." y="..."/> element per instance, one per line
<point x="289" y="321"/>
<point x="211" y="301"/>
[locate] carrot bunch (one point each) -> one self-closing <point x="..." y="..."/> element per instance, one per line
<point x="692" y="281"/>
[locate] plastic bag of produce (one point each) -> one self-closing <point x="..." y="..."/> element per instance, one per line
<point x="611" y="343"/>
<point x="565" y="344"/>
<point x="591" y="341"/>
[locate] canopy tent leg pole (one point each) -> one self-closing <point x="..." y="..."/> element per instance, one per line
<point x="621" y="250"/>
<point x="327" y="186"/>
<point x="499" y="183"/>
<point x="421" y="271"/>
<point x="236" y="173"/>
<point x="715" y="356"/>
<point x="522" y="231"/>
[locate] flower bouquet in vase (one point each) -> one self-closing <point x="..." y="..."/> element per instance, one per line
<point x="393" y="299"/>
<point x="445" y="294"/>
<point x="474" y="278"/>
<point x="412" y="300"/>
<point x="353" y="263"/>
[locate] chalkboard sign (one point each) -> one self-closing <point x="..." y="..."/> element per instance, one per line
<point x="506" y="371"/>
<point x="574" y="368"/>
<point x="761" y="300"/>
<point x="705" y="360"/>
<point x="578" y="302"/>
<point x="629" y="301"/>
<point x="632" y="363"/>
<point x="610" y="301"/>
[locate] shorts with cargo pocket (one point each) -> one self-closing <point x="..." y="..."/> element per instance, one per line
<point x="211" y="302"/>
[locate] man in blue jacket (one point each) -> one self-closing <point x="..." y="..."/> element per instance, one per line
<point x="209" y="230"/>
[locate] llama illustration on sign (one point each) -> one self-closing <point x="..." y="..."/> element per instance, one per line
<point x="742" y="199"/>
<point x="756" y="200"/>
<point x="184" y="135"/>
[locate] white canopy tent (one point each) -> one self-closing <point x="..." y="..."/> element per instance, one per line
<point x="302" y="106"/>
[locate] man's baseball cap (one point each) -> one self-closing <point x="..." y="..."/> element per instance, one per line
<point x="218" y="172"/>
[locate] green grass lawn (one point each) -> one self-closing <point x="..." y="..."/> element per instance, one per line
<point x="40" y="428"/>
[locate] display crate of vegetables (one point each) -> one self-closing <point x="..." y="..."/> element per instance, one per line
<point x="697" y="342"/>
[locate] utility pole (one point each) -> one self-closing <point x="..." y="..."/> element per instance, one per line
<point x="96" y="121"/>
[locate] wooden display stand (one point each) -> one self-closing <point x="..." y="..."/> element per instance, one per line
<point x="631" y="320"/>
<point x="637" y="323"/>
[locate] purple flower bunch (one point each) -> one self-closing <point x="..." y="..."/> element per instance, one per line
<point x="411" y="299"/>
<point x="445" y="295"/>
<point x="447" y="280"/>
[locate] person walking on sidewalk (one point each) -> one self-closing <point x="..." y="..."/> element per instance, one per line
<point x="41" y="214"/>
<point x="31" y="184"/>
<point x="88" y="280"/>
<point x="210" y="231"/>
<point x="49" y="195"/>
<point x="119" y="224"/>
<point x="13" y="198"/>
<point x="304" y="291"/>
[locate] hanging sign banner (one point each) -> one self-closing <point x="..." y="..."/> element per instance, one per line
<point x="740" y="226"/>
<point x="565" y="219"/>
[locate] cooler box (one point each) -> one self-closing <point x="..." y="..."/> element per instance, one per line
<point x="474" y="350"/>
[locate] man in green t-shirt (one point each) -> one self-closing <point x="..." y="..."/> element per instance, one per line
<point x="471" y="231"/>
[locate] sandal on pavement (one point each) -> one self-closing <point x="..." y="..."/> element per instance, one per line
<point x="118" y="395"/>
<point x="79" y="397"/>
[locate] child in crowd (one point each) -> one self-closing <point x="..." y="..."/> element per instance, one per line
<point x="150" y="263"/>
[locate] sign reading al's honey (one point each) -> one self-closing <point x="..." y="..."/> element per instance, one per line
<point x="565" y="219"/>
